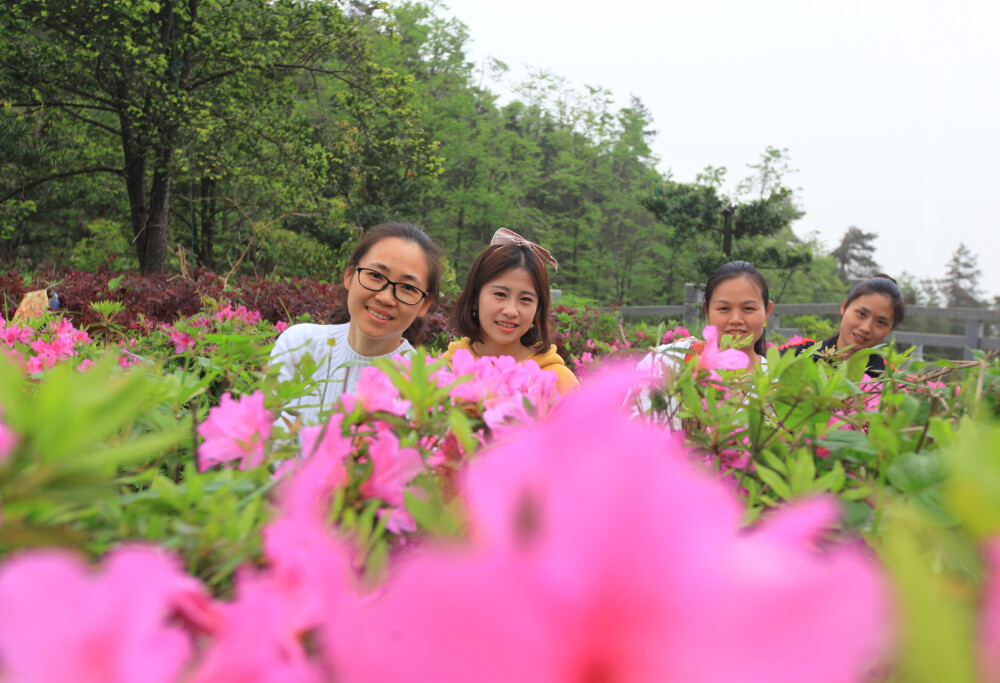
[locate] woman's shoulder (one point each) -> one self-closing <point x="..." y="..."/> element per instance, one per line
<point x="685" y="344"/>
<point x="674" y="352"/>
<point x="463" y="343"/>
<point x="305" y="333"/>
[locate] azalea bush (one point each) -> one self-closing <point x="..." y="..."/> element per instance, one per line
<point x="173" y="510"/>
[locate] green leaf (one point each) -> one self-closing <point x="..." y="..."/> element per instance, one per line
<point x="774" y="480"/>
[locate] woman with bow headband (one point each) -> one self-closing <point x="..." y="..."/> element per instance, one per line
<point x="504" y="308"/>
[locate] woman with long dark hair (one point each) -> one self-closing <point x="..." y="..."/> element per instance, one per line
<point x="390" y="284"/>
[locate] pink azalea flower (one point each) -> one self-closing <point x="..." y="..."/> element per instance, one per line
<point x="12" y="334"/>
<point x="502" y="378"/>
<point x="127" y="360"/>
<point x="39" y="363"/>
<point x="598" y="554"/>
<point x="63" y="345"/>
<point x="375" y="392"/>
<point x="393" y="468"/>
<point x="281" y="326"/>
<point x="60" y="622"/>
<point x="674" y="334"/>
<point x="182" y="340"/>
<point x="84" y="365"/>
<point x="235" y="430"/>
<point x="711" y="359"/>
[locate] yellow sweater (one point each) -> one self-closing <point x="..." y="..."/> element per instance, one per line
<point x="566" y="381"/>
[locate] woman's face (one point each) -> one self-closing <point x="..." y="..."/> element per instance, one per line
<point x="738" y="308"/>
<point x="378" y="319"/>
<point x="865" y="322"/>
<point x="506" y="309"/>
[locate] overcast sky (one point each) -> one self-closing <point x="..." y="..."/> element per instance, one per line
<point x="889" y="109"/>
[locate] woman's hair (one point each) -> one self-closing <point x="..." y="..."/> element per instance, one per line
<point x="491" y="264"/>
<point x="739" y="269"/>
<point x="882" y="284"/>
<point x="415" y="333"/>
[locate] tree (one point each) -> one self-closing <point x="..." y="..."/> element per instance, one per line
<point x="746" y="226"/>
<point x="156" y="77"/>
<point x="960" y="285"/>
<point x="855" y="255"/>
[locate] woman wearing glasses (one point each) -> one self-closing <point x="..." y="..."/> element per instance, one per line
<point x="504" y="308"/>
<point x="390" y="284"/>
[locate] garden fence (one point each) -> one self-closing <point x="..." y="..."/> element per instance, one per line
<point x="975" y="320"/>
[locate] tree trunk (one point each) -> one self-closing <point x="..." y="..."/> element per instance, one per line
<point x="727" y="230"/>
<point x="206" y="236"/>
<point x="135" y="187"/>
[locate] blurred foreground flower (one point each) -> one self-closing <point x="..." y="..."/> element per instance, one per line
<point x="597" y="554"/>
<point x="59" y="622"/>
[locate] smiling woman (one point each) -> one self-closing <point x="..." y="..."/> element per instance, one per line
<point x="871" y="311"/>
<point x="389" y="286"/>
<point x="504" y="308"/>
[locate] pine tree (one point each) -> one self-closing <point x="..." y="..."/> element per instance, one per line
<point x="856" y="254"/>
<point x="960" y="286"/>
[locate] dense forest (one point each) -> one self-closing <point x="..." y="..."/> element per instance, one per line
<point x="259" y="137"/>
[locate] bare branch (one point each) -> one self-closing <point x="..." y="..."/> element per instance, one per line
<point x="38" y="181"/>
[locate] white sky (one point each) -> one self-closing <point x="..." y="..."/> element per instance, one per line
<point x="889" y="109"/>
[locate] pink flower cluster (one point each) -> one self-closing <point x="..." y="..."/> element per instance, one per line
<point x="501" y="385"/>
<point x="241" y="313"/>
<point x="40" y="350"/>
<point x="675" y="334"/>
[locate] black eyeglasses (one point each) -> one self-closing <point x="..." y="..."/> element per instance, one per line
<point x="375" y="281"/>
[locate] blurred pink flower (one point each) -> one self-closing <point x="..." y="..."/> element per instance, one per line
<point x="321" y="470"/>
<point x="13" y="334"/>
<point x="60" y="622"/>
<point x="40" y="363"/>
<point x="307" y="567"/>
<point x="84" y="364"/>
<point x="182" y="340"/>
<point x="235" y="430"/>
<point x="598" y="554"/>
<point x="675" y="334"/>
<point x="8" y="439"/>
<point x="254" y="644"/>
<point x="711" y="359"/>
<point x="281" y="326"/>
<point x="989" y="635"/>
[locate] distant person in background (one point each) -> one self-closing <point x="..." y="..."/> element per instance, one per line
<point x="870" y="313"/>
<point x="504" y="308"/>
<point x="389" y="285"/>
<point x="737" y="303"/>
